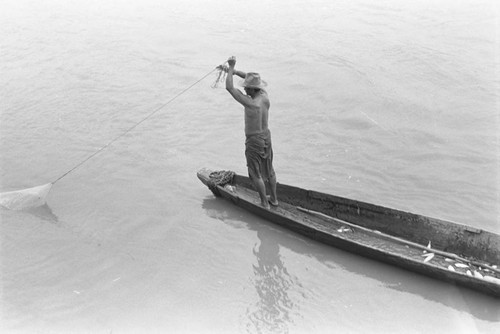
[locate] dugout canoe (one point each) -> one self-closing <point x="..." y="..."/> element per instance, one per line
<point x="452" y="252"/>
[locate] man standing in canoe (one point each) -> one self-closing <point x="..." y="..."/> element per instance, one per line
<point x="258" y="146"/>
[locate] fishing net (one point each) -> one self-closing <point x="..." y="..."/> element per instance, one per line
<point x="26" y="198"/>
<point x="219" y="178"/>
<point x="221" y="75"/>
<point x="37" y="196"/>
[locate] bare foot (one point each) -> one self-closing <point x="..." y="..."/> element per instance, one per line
<point x="273" y="203"/>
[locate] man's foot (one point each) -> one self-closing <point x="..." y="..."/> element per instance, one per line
<point x="273" y="203"/>
<point x="265" y="205"/>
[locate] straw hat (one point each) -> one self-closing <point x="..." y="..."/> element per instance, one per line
<point x="253" y="80"/>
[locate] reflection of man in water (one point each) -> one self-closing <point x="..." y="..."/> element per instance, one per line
<point x="272" y="282"/>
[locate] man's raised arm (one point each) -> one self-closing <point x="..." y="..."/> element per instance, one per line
<point x="235" y="92"/>
<point x="241" y="74"/>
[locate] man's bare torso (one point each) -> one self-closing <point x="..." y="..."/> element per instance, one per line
<point x="257" y="114"/>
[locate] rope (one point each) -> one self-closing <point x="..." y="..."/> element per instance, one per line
<point x="219" y="178"/>
<point x="221" y="77"/>
<point x="133" y="127"/>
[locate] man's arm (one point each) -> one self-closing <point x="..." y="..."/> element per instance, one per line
<point x="235" y="92"/>
<point x="241" y="74"/>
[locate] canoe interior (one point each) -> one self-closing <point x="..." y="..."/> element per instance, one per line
<point x="371" y="230"/>
<point x="448" y="236"/>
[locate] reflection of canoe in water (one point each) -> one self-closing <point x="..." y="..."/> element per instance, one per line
<point x="452" y="252"/>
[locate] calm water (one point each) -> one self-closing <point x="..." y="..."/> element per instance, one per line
<point x="391" y="102"/>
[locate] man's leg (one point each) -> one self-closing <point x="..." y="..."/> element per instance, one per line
<point x="274" y="196"/>
<point x="261" y="188"/>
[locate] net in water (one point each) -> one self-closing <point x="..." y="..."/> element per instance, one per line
<point x="25" y="198"/>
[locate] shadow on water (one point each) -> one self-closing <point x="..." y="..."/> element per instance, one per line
<point x="88" y="237"/>
<point x="45" y="213"/>
<point x="273" y="282"/>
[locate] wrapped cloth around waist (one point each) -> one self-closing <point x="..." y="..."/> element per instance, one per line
<point x="259" y="154"/>
<point x="259" y="141"/>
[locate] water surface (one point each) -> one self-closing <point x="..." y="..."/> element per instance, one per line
<point x="391" y="103"/>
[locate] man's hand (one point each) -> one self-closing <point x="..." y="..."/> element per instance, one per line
<point x="231" y="61"/>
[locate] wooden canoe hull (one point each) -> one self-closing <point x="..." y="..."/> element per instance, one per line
<point x="376" y="232"/>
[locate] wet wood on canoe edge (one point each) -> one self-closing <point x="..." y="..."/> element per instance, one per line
<point x="452" y="252"/>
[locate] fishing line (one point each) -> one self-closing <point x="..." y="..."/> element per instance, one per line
<point x="133" y="127"/>
<point x="36" y="196"/>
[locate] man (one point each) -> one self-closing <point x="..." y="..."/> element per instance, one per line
<point x="258" y="147"/>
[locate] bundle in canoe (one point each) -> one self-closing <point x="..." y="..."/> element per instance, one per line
<point x="444" y="250"/>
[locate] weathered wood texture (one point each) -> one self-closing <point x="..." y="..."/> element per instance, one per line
<point x="465" y="241"/>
